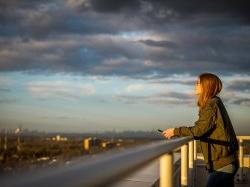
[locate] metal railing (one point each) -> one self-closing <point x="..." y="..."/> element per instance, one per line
<point x="241" y="156"/>
<point x="110" y="167"/>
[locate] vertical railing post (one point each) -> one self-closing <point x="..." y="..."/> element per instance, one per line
<point x="166" y="170"/>
<point x="241" y="160"/>
<point x="195" y="150"/>
<point x="191" y="161"/>
<point x="184" y="165"/>
<point x="195" y="162"/>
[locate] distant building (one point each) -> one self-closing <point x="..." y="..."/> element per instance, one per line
<point x="59" y="138"/>
<point x="109" y="144"/>
<point x="91" y="143"/>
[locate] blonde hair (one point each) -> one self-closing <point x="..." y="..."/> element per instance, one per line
<point x="210" y="85"/>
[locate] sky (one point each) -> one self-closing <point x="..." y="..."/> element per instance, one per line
<point x="101" y="65"/>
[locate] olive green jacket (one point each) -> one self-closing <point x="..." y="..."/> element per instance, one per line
<point x="216" y="134"/>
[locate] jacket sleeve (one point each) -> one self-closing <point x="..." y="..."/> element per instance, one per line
<point x="204" y="124"/>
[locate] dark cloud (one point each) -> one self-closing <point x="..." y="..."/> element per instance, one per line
<point x="125" y="38"/>
<point x="115" y="5"/>
<point x="177" y="98"/>
<point x="177" y="8"/>
<point x="13" y="14"/>
<point x="242" y="101"/>
<point x="121" y="57"/>
<point x="239" y="85"/>
<point x="238" y="7"/>
<point x="166" y="98"/>
<point x="44" y="19"/>
<point x="167" y="44"/>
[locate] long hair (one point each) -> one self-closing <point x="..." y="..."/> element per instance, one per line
<point x="210" y="85"/>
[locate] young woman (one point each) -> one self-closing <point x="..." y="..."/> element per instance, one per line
<point x="215" y="131"/>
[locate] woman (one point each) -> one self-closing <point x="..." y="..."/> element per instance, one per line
<point x="214" y="130"/>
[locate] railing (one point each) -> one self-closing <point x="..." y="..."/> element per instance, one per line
<point x="241" y="156"/>
<point x="110" y="167"/>
<point x="188" y="158"/>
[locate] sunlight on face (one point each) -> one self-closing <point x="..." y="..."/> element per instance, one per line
<point x="197" y="87"/>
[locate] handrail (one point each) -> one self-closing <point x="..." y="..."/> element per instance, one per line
<point x="243" y="137"/>
<point x="241" y="156"/>
<point x="99" y="171"/>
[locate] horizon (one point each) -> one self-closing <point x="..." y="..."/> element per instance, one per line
<point x="100" y="65"/>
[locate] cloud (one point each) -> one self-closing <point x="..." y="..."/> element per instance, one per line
<point x="86" y="37"/>
<point x="88" y="89"/>
<point x="166" y="44"/>
<point x="114" y="56"/>
<point x="162" y="11"/>
<point x="115" y="5"/>
<point x="4" y="81"/>
<point x="128" y="99"/>
<point x="101" y="79"/>
<point x="242" y="101"/>
<point x="178" y="90"/>
<point x="237" y="90"/>
<point x="183" y="81"/>
<point x="159" y="98"/>
<point x="60" y="89"/>
<point x="239" y="85"/>
<point x="176" y="95"/>
<point x="135" y="88"/>
<point x="177" y="98"/>
<point x="78" y="4"/>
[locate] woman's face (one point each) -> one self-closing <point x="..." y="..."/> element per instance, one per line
<point x="197" y="87"/>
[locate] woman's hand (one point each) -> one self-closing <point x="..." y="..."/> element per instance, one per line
<point x="168" y="133"/>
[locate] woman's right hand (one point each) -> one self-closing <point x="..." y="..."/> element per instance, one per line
<point x="168" y="133"/>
